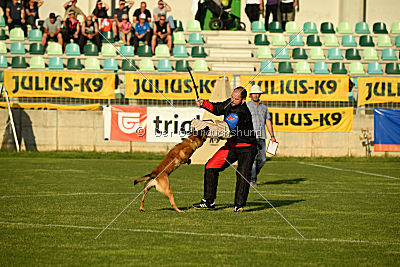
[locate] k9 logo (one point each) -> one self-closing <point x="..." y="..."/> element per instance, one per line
<point x="128" y="122"/>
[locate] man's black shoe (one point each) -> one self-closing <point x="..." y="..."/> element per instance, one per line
<point x="203" y="204"/>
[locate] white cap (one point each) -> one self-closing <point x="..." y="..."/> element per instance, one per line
<point x="255" y="89"/>
<point x="142" y="16"/>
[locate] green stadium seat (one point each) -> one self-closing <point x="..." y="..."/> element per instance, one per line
<point x="74" y="64"/>
<point x="278" y="40"/>
<point x="292" y="27"/>
<point x="370" y="54"/>
<point x="362" y="28"/>
<point x="196" y="38"/>
<point x="144" y="51"/>
<point x="17" y="48"/>
<point x="330" y="40"/>
<point x="193" y="26"/>
<point x="17" y="34"/>
<point x="3" y="35"/>
<point x="181" y="66"/>
<point x="179" y="38"/>
<point x="397" y="41"/>
<point x="335" y="54"/>
<point x="379" y="28"/>
<point x="310" y="27"/>
<point x="3" y="62"/>
<point x="344" y="28"/>
<point x="164" y="65"/>
<point x="296" y="40"/>
<point x="257" y="26"/>
<point x="2" y="21"/>
<point x="107" y="37"/>
<point x="282" y="53"/>
<point x="18" y="62"/>
<point x="90" y="49"/>
<point x="392" y="68"/>
<point x="180" y="51"/>
<point x="128" y="65"/>
<point x="1" y="76"/>
<point x="338" y="68"/>
<point x="92" y="63"/>
<point x="36" y="49"/>
<point x="299" y="53"/>
<point x="366" y="40"/>
<point x="37" y="62"/>
<point x="395" y="28"/>
<point x="316" y="53"/>
<point x="303" y="67"/>
<point x="72" y="49"/>
<point x="162" y="50"/>
<point x="321" y="68"/>
<point x="388" y="54"/>
<point x="126" y="51"/>
<point x="327" y="27"/>
<point x="384" y="41"/>
<point x="285" y="67"/>
<point x="178" y="25"/>
<point x="352" y="54"/>
<point x="356" y="68"/>
<point x="374" y="68"/>
<point x="349" y="41"/>
<point x="267" y="67"/>
<point x="261" y="39"/>
<point x="54" y="49"/>
<point x="3" y="48"/>
<point x="108" y="50"/>
<point x="313" y="40"/>
<point x="264" y="52"/>
<point x="146" y="65"/>
<point x="200" y="65"/>
<point x="275" y="26"/>
<point x="110" y="64"/>
<point x="198" y="51"/>
<point x="35" y="35"/>
<point x="56" y="63"/>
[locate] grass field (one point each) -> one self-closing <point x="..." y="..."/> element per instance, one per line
<point x="54" y="204"/>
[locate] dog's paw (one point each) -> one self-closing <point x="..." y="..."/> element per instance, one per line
<point x="189" y="161"/>
<point x="142" y="210"/>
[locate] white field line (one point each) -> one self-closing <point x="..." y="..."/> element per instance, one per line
<point x="346" y="170"/>
<point x="201" y="234"/>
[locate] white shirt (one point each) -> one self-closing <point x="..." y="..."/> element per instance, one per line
<point x="253" y="2"/>
<point x="287" y="1"/>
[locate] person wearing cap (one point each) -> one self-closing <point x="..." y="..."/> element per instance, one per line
<point x="72" y="29"/>
<point x="15" y="15"/>
<point x="142" y="32"/>
<point x="100" y="11"/>
<point x="71" y="6"/>
<point x="260" y="117"/>
<point x="52" y="30"/>
<point x="125" y="28"/>
<point x="141" y="10"/>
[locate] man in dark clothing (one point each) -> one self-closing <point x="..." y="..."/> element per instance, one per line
<point x="141" y="10"/>
<point x="271" y="7"/>
<point x="161" y="31"/>
<point x="241" y="147"/>
<point x="89" y="31"/>
<point x="15" y="16"/>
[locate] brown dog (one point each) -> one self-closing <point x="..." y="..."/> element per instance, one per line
<point x="179" y="154"/>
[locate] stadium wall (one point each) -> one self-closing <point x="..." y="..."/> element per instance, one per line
<point x="83" y="130"/>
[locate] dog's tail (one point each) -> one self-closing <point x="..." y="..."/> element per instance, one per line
<point x="142" y="179"/>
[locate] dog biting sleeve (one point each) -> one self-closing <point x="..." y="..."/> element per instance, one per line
<point x="208" y="105"/>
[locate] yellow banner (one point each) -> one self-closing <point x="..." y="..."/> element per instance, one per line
<point x="378" y="90"/>
<point x="59" y="84"/>
<point x="171" y="86"/>
<point x="301" y="87"/>
<point x="312" y="120"/>
<point x="47" y="106"/>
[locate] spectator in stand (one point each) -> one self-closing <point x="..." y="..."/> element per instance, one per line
<point x="162" y="9"/>
<point x="271" y="7"/>
<point x="32" y="12"/>
<point x="125" y="28"/>
<point x="118" y="12"/>
<point x="253" y="9"/>
<point x="71" y="6"/>
<point x="72" y="29"/>
<point x="52" y="30"/>
<point x="141" y="10"/>
<point x="15" y="16"/>
<point x="3" y="5"/>
<point x="89" y="31"/>
<point x="142" y="32"/>
<point x="161" y="31"/>
<point x="287" y="11"/>
<point x="100" y="11"/>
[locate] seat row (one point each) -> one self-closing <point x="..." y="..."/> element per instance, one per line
<point x="355" y="68"/>
<point x="326" y="27"/>
<point x="317" y="53"/>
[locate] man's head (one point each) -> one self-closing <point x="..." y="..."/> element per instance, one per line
<point x="124" y="17"/>
<point x="238" y="96"/>
<point x="89" y="19"/>
<point x="14" y="2"/>
<point x="52" y="17"/>
<point x="161" y="4"/>
<point x="121" y="3"/>
<point x="142" y="18"/>
<point x="99" y="4"/>
<point x="162" y="19"/>
<point x="143" y="5"/>
<point x="255" y="93"/>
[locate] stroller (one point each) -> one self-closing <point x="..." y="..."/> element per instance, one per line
<point x="223" y="18"/>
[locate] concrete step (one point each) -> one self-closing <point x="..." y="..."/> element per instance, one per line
<point x="229" y="67"/>
<point x="237" y="40"/>
<point x="230" y="52"/>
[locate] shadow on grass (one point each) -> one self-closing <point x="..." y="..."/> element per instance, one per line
<point x="286" y="181"/>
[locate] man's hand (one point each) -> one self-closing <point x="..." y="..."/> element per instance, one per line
<point x="90" y="36"/>
<point x="199" y="102"/>
<point x="273" y="139"/>
<point x="10" y="20"/>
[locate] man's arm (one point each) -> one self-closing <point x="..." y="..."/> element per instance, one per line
<point x="270" y="129"/>
<point x="83" y="30"/>
<point x="130" y="3"/>
<point x="96" y="28"/>
<point x="167" y="7"/>
<point x="67" y="4"/>
<point x="107" y="7"/>
<point x="214" y="108"/>
<point x="40" y="3"/>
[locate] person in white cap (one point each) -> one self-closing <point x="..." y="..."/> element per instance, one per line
<point x="142" y="32"/>
<point x="260" y="117"/>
